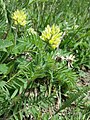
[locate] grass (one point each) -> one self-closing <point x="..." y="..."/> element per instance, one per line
<point x="38" y="82"/>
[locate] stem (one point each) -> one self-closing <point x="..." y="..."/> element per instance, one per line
<point x="59" y="96"/>
<point x="15" y="37"/>
<point x="51" y="80"/>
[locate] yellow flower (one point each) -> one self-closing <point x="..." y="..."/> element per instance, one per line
<point x="19" y="17"/>
<point x="46" y="34"/>
<point x="52" y="35"/>
<point x="55" y="29"/>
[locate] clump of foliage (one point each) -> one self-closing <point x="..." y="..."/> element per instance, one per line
<point x="39" y="64"/>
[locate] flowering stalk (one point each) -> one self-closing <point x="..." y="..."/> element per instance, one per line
<point x="52" y="35"/>
<point x="19" y="17"/>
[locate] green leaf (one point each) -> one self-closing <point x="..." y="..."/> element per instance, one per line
<point x="21" y="115"/>
<point x="46" y="116"/>
<point x="14" y="94"/>
<point x="56" y="117"/>
<point x="34" y="111"/>
<point x="3" y="68"/>
<point x="16" y="118"/>
<point x="21" y="90"/>
<point x="5" y="44"/>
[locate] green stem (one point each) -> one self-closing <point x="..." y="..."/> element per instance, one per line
<point x="15" y="37"/>
<point x="50" y="87"/>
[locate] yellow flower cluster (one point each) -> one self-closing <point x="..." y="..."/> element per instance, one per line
<point x="19" y="17"/>
<point x="52" y="35"/>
